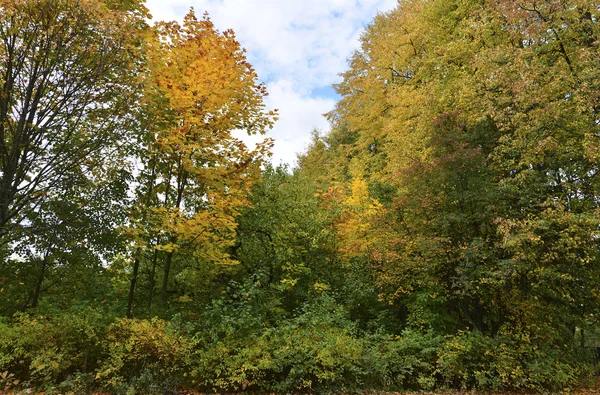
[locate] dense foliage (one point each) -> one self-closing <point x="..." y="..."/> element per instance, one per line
<point x="443" y="234"/>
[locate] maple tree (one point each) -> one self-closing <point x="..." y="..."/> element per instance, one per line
<point x="196" y="173"/>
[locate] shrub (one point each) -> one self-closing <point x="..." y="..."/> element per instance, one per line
<point x="143" y="355"/>
<point x="407" y="361"/>
<point x="42" y="351"/>
<point x="317" y="351"/>
<point x="506" y="361"/>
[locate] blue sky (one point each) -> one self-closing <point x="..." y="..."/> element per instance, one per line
<point x="298" y="49"/>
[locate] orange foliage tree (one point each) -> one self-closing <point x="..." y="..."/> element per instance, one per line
<point x="195" y="174"/>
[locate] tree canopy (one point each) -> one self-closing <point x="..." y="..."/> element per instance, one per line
<point x="443" y="234"/>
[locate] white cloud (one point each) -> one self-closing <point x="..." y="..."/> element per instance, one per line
<point x="296" y="46"/>
<point x="298" y="116"/>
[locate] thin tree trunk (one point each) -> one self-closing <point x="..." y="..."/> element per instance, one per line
<point x="152" y="280"/>
<point x="38" y="285"/>
<point x="138" y="253"/>
<point x="181" y="184"/>
<point x="165" y="282"/>
<point x="136" y="268"/>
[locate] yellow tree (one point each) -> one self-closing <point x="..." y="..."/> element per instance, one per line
<point x="196" y="173"/>
<point x="486" y="114"/>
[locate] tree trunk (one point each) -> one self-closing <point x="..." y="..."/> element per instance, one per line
<point x="38" y="285"/>
<point x="181" y="184"/>
<point x="152" y="280"/>
<point x="136" y="262"/>
<point x="136" y="268"/>
<point x="163" y="289"/>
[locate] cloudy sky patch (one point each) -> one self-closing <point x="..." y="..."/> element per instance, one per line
<point x="298" y="49"/>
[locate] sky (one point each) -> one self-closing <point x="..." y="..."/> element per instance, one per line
<point x="298" y="48"/>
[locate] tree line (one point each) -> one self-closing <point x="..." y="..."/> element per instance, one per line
<point x="443" y="233"/>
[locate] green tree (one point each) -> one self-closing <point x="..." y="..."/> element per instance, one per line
<point x="494" y="180"/>
<point x="287" y="234"/>
<point x="68" y="84"/>
<point x="63" y="251"/>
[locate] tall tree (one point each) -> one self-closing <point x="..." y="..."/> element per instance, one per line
<point x="68" y="82"/>
<point x="486" y="116"/>
<point x="196" y="173"/>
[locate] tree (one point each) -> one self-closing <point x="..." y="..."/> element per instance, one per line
<point x="502" y="159"/>
<point x="287" y="235"/>
<point x="66" y="246"/>
<point x="68" y="82"/>
<point x="196" y="174"/>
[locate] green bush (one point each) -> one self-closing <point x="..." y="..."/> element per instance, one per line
<point x="320" y="350"/>
<point x="288" y="358"/>
<point x="143" y="355"/>
<point x="320" y="359"/>
<point x="407" y="361"/>
<point x="508" y="360"/>
<point x="317" y="351"/>
<point x="42" y="351"/>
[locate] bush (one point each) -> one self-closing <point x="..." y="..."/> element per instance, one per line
<point x="407" y="361"/>
<point x="317" y="351"/>
<point x="43" y="351"/>
<point x="506" y="361"/>
<point x="288" y="358"/>
<point x="147" y="356"/>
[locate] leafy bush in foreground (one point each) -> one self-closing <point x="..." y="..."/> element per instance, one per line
<point x="143" y="355"/>
<point x="318" y="351"/>
<point x="43" y="351"/>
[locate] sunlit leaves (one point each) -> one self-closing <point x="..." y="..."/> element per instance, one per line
<point x="196" y="175"/>
<point x="482" y="117"/>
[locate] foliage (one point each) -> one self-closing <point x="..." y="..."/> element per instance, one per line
<point x="509" y="360"/>
<point x="443" y="234"/>
<point x="316" y="351"/>
<point x="408" y="361"/>
<point x="147" y="356"/>
<point x="68" y="78"/>
<point x="42" y="351"/>
<point x="200" y="88"/>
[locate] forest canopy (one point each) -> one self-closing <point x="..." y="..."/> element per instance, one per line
<point x="445" y="233"/>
